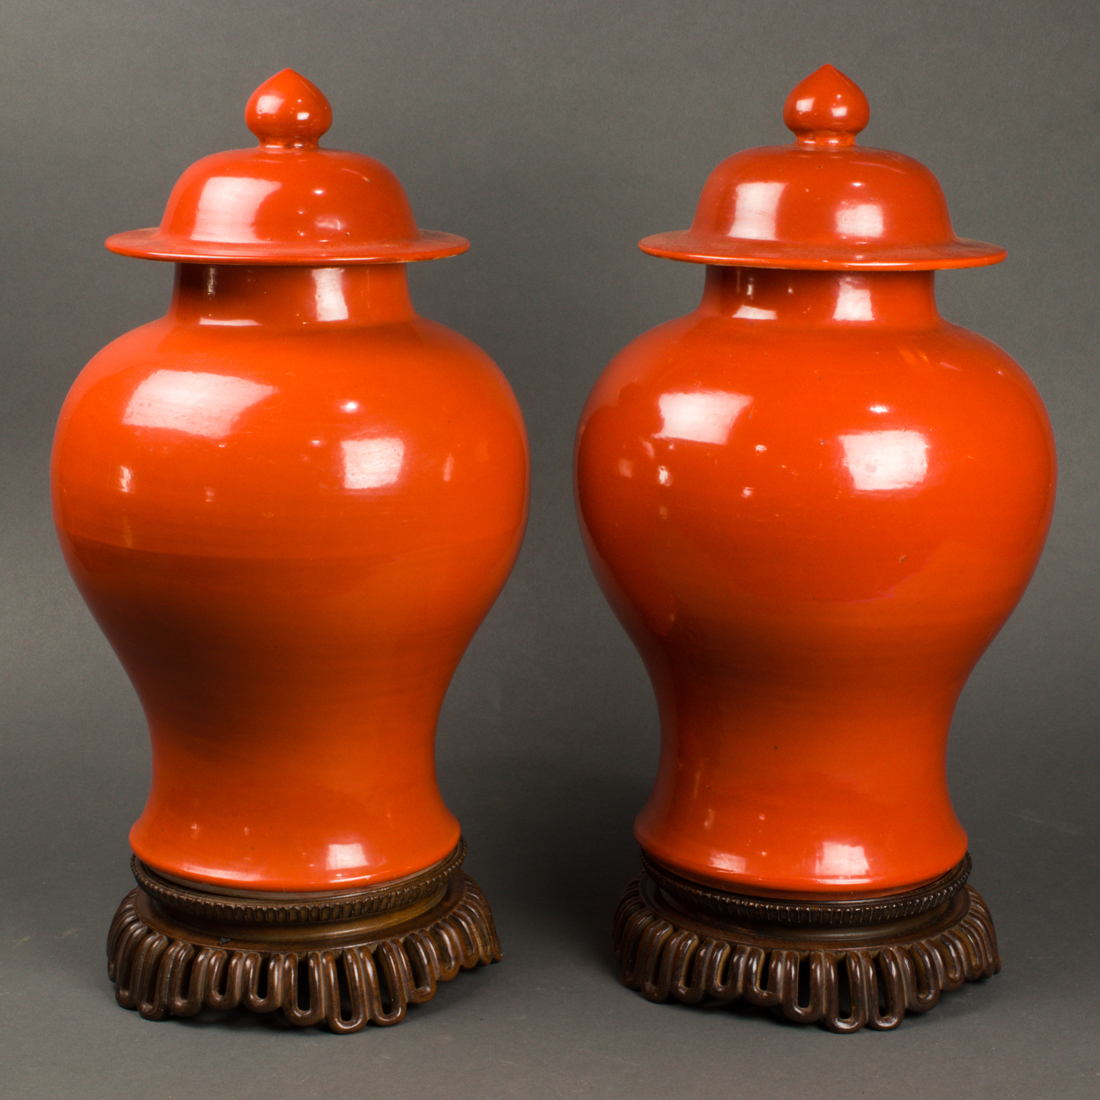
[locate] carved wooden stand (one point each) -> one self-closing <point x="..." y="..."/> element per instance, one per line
<point x="342" y="959"/>
<point x="848" y="964"/>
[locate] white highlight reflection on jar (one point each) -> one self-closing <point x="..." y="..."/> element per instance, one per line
<point x="756" y="210"/>
<point x="883" y="461"/>
<point x="701" y="416"/>
<point x="195" y="402"/>
<point x="220" y="214"/>
<point x="853" y="300"/>
<point x="863" y="221"/>
<point x="340" y="856"/>
<point x="372" y="463"/>
<point x="328" y="292"/>
<point x="841" y="860"/>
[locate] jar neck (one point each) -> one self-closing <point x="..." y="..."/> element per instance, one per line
<point x="241" y="296"/>
<point x="877" y="298"/>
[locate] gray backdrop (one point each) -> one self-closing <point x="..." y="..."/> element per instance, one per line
<point x="553" y="135"/>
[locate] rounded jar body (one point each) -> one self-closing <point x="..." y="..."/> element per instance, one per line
<point x="812" y="503"/>
<point x="289" y="503"/>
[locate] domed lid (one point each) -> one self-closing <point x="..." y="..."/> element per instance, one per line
<point x="287" y="201"/>
<point x="823" y="202"/>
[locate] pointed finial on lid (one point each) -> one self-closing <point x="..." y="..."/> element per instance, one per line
<point x="827" y="108"/>
<point x="288" y="111"/>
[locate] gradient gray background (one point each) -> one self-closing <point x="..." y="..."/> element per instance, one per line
<point x="553" y="135"/>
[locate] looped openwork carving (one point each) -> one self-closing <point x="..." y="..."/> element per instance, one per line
<point x="301" y="908"/>
<point x="845" y="986"/>
<point x="370" y="975"/>
<point x="861" y="911"/>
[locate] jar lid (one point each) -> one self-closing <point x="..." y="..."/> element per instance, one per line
<point x="823" y="202"/>
<point x="287" y="201"/>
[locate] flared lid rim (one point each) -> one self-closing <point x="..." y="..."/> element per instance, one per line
<point x="739" y="252"/>
<point x="153" y="244"/>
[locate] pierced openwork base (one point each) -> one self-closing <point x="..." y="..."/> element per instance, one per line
<point x="339" y="959"/>
<point x="846" y="964"/>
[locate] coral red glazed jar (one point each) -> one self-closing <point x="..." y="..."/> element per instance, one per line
<point x="289" y="503"/>
<point x="812" y="503"/>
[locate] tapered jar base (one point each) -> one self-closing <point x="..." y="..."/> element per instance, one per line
<point x="341" y="959"/>
<point x="846" y="964"/>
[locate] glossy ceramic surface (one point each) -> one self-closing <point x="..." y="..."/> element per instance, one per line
<point x="812" y="503"/>
<point x="287" y="201"/>
<point x="823" y="202"/>
<point x="289" y="503"/>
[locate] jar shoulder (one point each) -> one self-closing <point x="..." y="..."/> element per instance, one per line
<point x="307" y="359"/>
<point x="942" y="378"/>
<point x="288" y="433"/>
<point x="814" y="434"/>
<point x="707" y="350"/>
